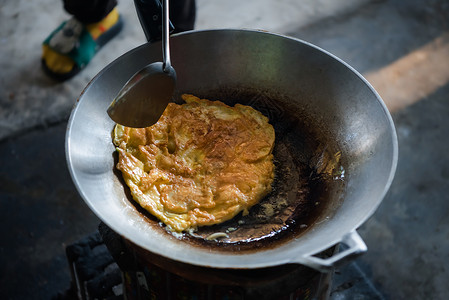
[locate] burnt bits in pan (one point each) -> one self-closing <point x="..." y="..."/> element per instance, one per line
<point x="305" y="182"/>
<point x="304" y="185"/>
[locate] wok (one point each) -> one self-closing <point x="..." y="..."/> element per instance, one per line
<point x="313" y="99"/>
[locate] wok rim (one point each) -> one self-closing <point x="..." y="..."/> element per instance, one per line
<point x="236" y="260"/>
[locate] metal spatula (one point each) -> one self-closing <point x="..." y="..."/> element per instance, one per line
<point x="143" y="99"/>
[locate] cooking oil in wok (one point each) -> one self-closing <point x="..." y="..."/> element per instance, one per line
<point x="302" y="189"/>
<point x="308" y="187"/>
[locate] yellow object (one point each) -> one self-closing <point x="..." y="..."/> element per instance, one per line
<point x="56" y="62"/>
<point x="96" y="29"/>
<point x="60" y="63"/>
<point x="201" y="164"/>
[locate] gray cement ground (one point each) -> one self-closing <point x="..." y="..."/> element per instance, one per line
<point x="28" y="98"/>
<point x="402" y="47"/>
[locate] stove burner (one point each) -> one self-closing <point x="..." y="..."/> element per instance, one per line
<point x="95" y="274"/>
<point x="103" y="266"/>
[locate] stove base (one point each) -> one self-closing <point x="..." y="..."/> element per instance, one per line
<point x="104" y="266"/>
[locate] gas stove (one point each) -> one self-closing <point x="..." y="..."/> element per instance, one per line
<point x="104" y="266"/>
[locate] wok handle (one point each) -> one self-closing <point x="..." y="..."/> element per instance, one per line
<point x="355" y="247"/>
<point x="150" y="17"/>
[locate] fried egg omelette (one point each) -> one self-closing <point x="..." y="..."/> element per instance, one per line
<point x="201" y="164"/>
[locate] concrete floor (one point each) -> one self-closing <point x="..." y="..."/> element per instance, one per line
<point x="402" y="48"/>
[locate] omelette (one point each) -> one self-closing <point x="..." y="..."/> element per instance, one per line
<point x="201" y="164"/>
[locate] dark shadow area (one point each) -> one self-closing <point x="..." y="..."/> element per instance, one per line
<point x="41" y="212"/>
<point x="407" y="236"/>
<point x="379" y="33"/>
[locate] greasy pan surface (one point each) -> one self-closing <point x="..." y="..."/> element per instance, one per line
<point x="308" y="173"/>
<point x="320" y="107"/>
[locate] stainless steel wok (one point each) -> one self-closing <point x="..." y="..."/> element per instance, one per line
<point x="296" y="81"/>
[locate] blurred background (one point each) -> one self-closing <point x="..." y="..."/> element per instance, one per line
<point x="401" y="47"/>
